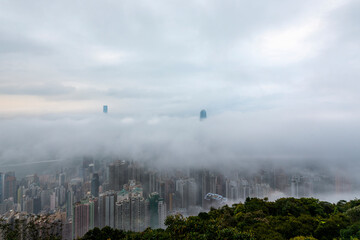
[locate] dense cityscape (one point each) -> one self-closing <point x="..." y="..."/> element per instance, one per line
<point x="199" y="119"/>
<point x="131" y="195"/>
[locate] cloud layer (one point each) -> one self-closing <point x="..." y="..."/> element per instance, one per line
<point x="229" y="139"/>
<point x="279" y="80"/>
<point x="177" y="57"/>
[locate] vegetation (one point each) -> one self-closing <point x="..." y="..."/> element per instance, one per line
<point x="33" y="228"/>
<point x="286" y="218"/>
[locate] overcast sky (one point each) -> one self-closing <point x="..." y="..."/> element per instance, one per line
<point x="177" y="57"/>
<point x="286" y="72"/>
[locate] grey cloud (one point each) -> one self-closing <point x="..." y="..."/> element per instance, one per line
<point x="38" y="90"/>
<point x="161" y="59"/>
<point x="232" y="137"/>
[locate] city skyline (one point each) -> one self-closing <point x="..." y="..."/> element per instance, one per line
<point x="132" y="195"/>
<point x="123" y="113"/>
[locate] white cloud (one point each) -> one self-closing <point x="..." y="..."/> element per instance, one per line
<point x="110" y="57"/>
<point x="288" y="45"/>
<point x="175" y="58"/>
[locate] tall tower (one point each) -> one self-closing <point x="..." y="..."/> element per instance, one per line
<point x="9" y="186"/>
<point x="202" y="115"/>
<point x="154" y="199"/>
<point x="95" y="185"/>
<point x="162" y="213"/>
<point x="118" y="175"/>
<point x="2" y="178"/>
<point x="107" y="202"/>
<point x="105" y="109"/>
<point x="62" y="177"/>
<point x="85" y="217"/>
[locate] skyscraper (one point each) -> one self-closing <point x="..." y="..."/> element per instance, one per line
<point x="123" y="215"/>
<point x="62" y="179"/>
<point x="131" y="213"/>
<point x="202" y="115"/>
<point x="153" y="207"/>
<point x="85" y="216"/>
<point x="2" y="178"/>
<point x="118" y="175"/>
<point x="9" y="186"/>
<point x="131" y="208"/>
<point x="162" y="213"/>
<point x="105" y="109"/>
<point x="107" y="202"/>
<point x="205" y="185"/>
<point x="95" y="185"/>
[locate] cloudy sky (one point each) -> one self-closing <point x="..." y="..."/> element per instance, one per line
<point x="286" y="72"/>
<point x="176" y="57"/>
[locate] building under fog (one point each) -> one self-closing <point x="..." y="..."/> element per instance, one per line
<point x="105" y="109"/>
<point x="202" y="115"/>
<point x="131" y="208"/>
<point x="95" y="183"/>
<point x="107" y="202"/>
<point x="118" y="175"/>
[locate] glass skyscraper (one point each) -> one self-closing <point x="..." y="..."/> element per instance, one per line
<point x="105" y="109"/>
<point x="202" y="114"/>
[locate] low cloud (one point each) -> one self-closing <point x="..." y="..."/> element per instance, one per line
<point x="244" y="140"/>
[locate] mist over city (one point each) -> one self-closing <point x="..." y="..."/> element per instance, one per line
<point x="129" y="114"/>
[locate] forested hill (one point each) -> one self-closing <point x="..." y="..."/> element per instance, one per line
<point x="286" y="218"/>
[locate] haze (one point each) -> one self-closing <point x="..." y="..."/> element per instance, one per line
<point x="279" y="81"/>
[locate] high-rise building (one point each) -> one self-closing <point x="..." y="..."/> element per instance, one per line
<point x="28" y="204"/>
<point x="181" y="193"/>
<point x="162" y="213"/>
<point x="192" y="190"/>
<point x="135" y="172"/>
<point x="186" y="190"/>
<point x="154" y="199"/>
<point x="80" y="219"/>
<point x="37" y="205"/>
<point x="205" y="189"/>
<point x="62" y="179"/>
<point x="295" y="180"/>
<point x="342" y="184"/>
<point x="85" y="216"/>
<point x="61" y="195"/>
<point x="153" y="178"/>
<point x="131" y="208"/>
<point x="10" y="186"/>
<point x="105" y="109"/>
<point x="196" y="174"/>
<point x="107" y="202"/>
<point x="2" y="178"/>
<point x="94" y="212"/>
<point x="53" y="204"/>
<point x="138" y="212"/>
<point x="232" y="190"/>
<point x="20" y="196"/>
<point x="118" y="175"/>
<point x="45" y="198"/>
<point x="244" y="188"/>
<point x="131" y="214"/>
<point x="202" y="115"/>
<point x="6" y="206"/>
<point x="73" y="195"/>
<point x="95" y="185"/>
<point x="123" y="214"/>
